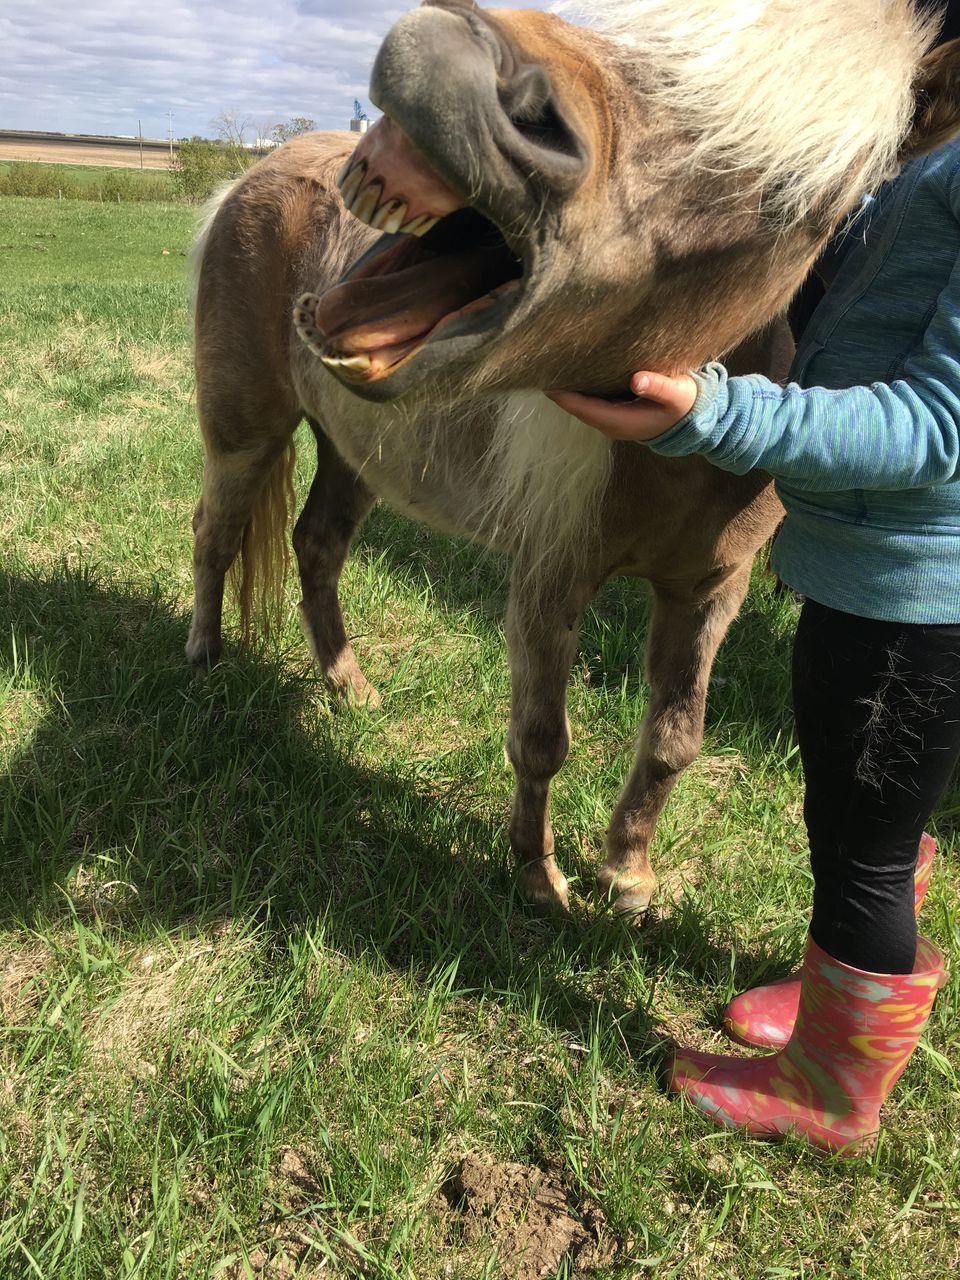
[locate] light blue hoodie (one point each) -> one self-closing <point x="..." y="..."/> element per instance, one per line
<point x="865" y="472"/>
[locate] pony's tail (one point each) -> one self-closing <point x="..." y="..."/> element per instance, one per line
<point x="258" y="576"/>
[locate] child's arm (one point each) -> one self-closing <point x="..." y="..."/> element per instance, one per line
<point x="904" y="435"/>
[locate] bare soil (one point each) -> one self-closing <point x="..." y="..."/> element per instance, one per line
<point x="84" y="153"/>
<point x="525" y="1215"/>
<point x="519" y="1214"/>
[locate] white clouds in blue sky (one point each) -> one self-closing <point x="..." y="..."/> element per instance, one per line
<point x="100" y="65"/>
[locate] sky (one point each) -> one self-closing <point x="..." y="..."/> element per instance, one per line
<point x="99" y="66"/>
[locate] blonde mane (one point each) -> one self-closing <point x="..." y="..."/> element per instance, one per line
<point x="807" y="99"/>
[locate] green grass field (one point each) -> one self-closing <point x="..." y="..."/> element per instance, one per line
<point x="89" y="174"/>
<point x="270" y="1006"/>
<point x="101" y="183"/>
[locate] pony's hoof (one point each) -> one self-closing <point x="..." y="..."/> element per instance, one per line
<point x="360" y="693"/>
<point x="629" y="893"/>
<point x="201" y="652"/>
<point x="632" y="907"/>
<point x="545" y="890"/>
<point x="352" y="689"/>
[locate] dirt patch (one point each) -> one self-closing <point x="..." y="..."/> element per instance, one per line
<point x="524" y="1214"/>
<point x="105" y="156"/>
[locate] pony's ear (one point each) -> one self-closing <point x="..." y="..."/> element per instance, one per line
<point x="936" y="118"/>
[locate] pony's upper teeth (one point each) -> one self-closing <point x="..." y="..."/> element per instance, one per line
<point x="350" y="183"/>
<point x="363" y="200"/>
<point x="365" y="204"/>
<point x="389" y="217"/>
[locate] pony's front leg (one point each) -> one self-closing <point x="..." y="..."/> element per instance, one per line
<point x="541" y="642"/>
<point x="684" y="634"/>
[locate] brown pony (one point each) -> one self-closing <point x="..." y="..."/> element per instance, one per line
<point x="542" y="205"/>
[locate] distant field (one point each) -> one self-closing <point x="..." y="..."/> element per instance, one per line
<point x="118" y="157"/>
<point x="94" y="173"/>
<point x="80" y="244"/>
<point x="85" y="182"/>
<point x="269" y="1006"/>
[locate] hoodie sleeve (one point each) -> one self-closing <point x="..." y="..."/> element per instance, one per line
<point x="901" y="435"/>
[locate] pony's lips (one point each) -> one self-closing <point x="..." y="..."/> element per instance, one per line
<point x="438" y="264"/>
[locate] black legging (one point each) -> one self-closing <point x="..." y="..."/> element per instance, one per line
<point x="877" y="708"/>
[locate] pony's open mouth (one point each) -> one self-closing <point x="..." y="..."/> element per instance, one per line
<point x="440" y="270"/>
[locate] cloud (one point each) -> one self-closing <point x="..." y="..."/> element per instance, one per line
<point x="103" y="65"/>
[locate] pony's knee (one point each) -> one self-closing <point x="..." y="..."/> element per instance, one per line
<point x="670" y="741"/>
<point x="537" y="748"/>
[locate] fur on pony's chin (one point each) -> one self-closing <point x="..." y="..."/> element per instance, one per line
<point x="749" y="82"/>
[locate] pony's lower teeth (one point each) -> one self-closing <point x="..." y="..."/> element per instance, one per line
<point x="357" y="364"/>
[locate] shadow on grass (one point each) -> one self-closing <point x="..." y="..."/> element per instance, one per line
<point x="152" y="796"/>
<point x="750" y="689"/>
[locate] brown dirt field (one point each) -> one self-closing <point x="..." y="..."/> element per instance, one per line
<point x="524" y="1215"/>
<point x="84" y="153"/>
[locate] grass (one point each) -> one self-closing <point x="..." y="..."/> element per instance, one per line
<point x="103" y="183"/>
<point x="264" y="980"/>
<point x="108" y="259"/>
<point x="85" y="173"/>
<point x="91" y="175"/>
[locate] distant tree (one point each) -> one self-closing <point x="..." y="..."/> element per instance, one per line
<point x="231" y="128"/>
<point x="292" y="129"/>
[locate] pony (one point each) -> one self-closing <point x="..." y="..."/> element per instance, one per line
<point x="543" y="204"/>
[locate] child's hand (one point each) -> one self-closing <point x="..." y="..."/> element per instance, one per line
<point x="662" y="402"/>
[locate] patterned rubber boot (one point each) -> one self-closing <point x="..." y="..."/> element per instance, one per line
<point x="853" y="1036"/>
<point x="763" y="1017"/>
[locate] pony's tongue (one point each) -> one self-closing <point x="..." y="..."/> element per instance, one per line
<point x="365" y="315"/>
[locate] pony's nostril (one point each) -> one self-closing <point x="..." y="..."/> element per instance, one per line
<point x="526" y="94"/>
<point x="529" y="103"/>
<point x="547" y="130"/>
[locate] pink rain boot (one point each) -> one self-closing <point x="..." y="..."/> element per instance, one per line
<point x="853" y="1036"/>
<point x="764" y="1016"/>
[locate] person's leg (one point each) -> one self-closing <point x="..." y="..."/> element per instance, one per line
<point x="877" y="709"/>
<point x="763" y="1017"/>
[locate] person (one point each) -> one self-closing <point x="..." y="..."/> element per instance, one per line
<point x="864" y="446"/>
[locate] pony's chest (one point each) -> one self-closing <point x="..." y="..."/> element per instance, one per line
<point x="398" y="459"/>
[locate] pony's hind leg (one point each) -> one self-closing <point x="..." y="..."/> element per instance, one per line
<point x="237" y="483"/>
<point x="685" y="632"/>
<point x="338" y="503"/>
